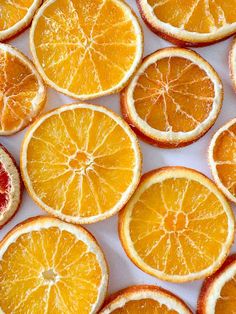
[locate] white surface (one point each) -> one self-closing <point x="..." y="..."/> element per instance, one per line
<point x="122" y="270"/>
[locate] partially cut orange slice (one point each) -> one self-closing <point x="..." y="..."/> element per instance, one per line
<point x="86" y="48"/>
<point x="222" y="159"/>
<point x="146" y="300"/>
<point x="22" y="91"/>
<point x="177" y="226"/>
<point x="49" y="266"/>
<point x="81" y="162"/>
<point x="174" y="98"/>
<point x="232" y="63"/>
<point x="190" y="22"/>
<point x="218" y="293"/>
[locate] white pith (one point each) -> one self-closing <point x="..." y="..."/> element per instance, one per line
<point x="170" y="136"/>
<point x="15" y="189"/>
<point x="112" y="90"/>
<point x="126" y="194"/>
<point x="212" y="162"/>
<point x="79" y="232"/>
<point x="41" y="94"/>
<point x="232" y="61"/>
<point x="159" y="177"/>
<point x="181" y="33"/>
<point x="4" y="34"/>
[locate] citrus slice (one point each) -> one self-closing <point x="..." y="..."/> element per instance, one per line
<point x="174" y="98"/>
<point x="49" y="266"/>
<point x="177" y="226"/>
<point x="232" y="63"/>
<point x="146" y="300"/>
<point x="16" y="15"/>
<point x="218" y="293"/>
<point x="81" y="162"/>
<point x="86" y="48"/>
<point x="190" y="23"/>
<point x="10" y="186"/>
<point x="22" y="92"/>
<point x="222" y="159"/>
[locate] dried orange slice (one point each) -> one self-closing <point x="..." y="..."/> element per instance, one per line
<point x="86" y="48"/>
<point x="218" y="293"/>
<point x="232" y="63"/>
<point x="10" y="186"/>
<point x="174" y="98"/>
<point x="222" y="159"/>
<point x="146" y="300"/>
<point x="81" y="162"/>
<point x="16" y="15"/>
<point x="177" y="226"/>
<point x="192" y="22"/>
<point x="49" y="266"/>
<point x="22" y="91"/>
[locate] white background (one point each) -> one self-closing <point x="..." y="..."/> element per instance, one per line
<point x="122" y="272"/>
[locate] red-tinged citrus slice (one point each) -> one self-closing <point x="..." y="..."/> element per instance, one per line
<point x="232" y="63"/>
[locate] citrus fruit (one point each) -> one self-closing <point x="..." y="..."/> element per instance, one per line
<point x="49" y="266"/>
<point x="16" y="15"/>
<point x="222" y="159"/>
<point x="190" y="23"/>
<point x="10" y="186"/>
<point x="177" y="226"/>
<point x="232" y="63"/>
<point x="22" y="92"/>
<point x="174" y="98"/>
<point x="80" y="162"/>
<point x="218" y="293"/>
<point x="146" y="300"/>
<point x="86" y="48"/>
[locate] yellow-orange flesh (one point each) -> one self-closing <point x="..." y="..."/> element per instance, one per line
<point x="49" y="271"/>
<point x="195" y="15"/>
<point x="173" y="94"/>
<point x="226" y="302"/>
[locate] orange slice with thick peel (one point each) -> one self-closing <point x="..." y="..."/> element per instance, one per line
<point x="222" y="159"/>
<point x="16" y="15"/>
<point x="22" y="91"/>
<point x="218" y="293"/>
<point x="49" y="266"/>
<point x="190" y="22"/>
<point x="174" y="98"/>
<point x="81" y="162"/>
<point x="232" y="62"/>
<point x="86" y="48"/>
<point x="177" y="226"/>
<point x="145" y="299"/>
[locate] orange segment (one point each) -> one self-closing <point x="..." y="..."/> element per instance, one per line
<point x="177" y="226"/>
<point x="94" y="54"/>
<point x="81" y="163"/>
<point x="222" y="157"/>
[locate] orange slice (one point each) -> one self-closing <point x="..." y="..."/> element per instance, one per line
<point x="49" y="266"/>
<point x="174" y="98"/>
<point x="81" y="162"/>
<point x="218" y="293"/>
<point x="10" y="186"/>
<point x="22" y="92"/>
<point x="145" y="300"/>
<point x="177" y="226"/>
<point x="190" y="22"/>
<point x="16" y="15"/>
<point x="232" y="63"/>
<point x="222" y="159"/>
<point x="86" y="48"/>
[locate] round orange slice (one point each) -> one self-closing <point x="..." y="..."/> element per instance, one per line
<point x="232" y="63"/>
<point x="177" y="226"/>
<point x="49" y="266"/>
<point x="22" y="91"/>
<point x="218" y="293"/>
<point x="190" y="23"/>
<point x="86" y="48"/>
<point x="174" y="98"/>
<point x="222" y="159"/>
<point x="16" y="15"/>
<point x="81" y="163"/>
<point x="10" y="186"/>
<point x="146" y="300"/>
